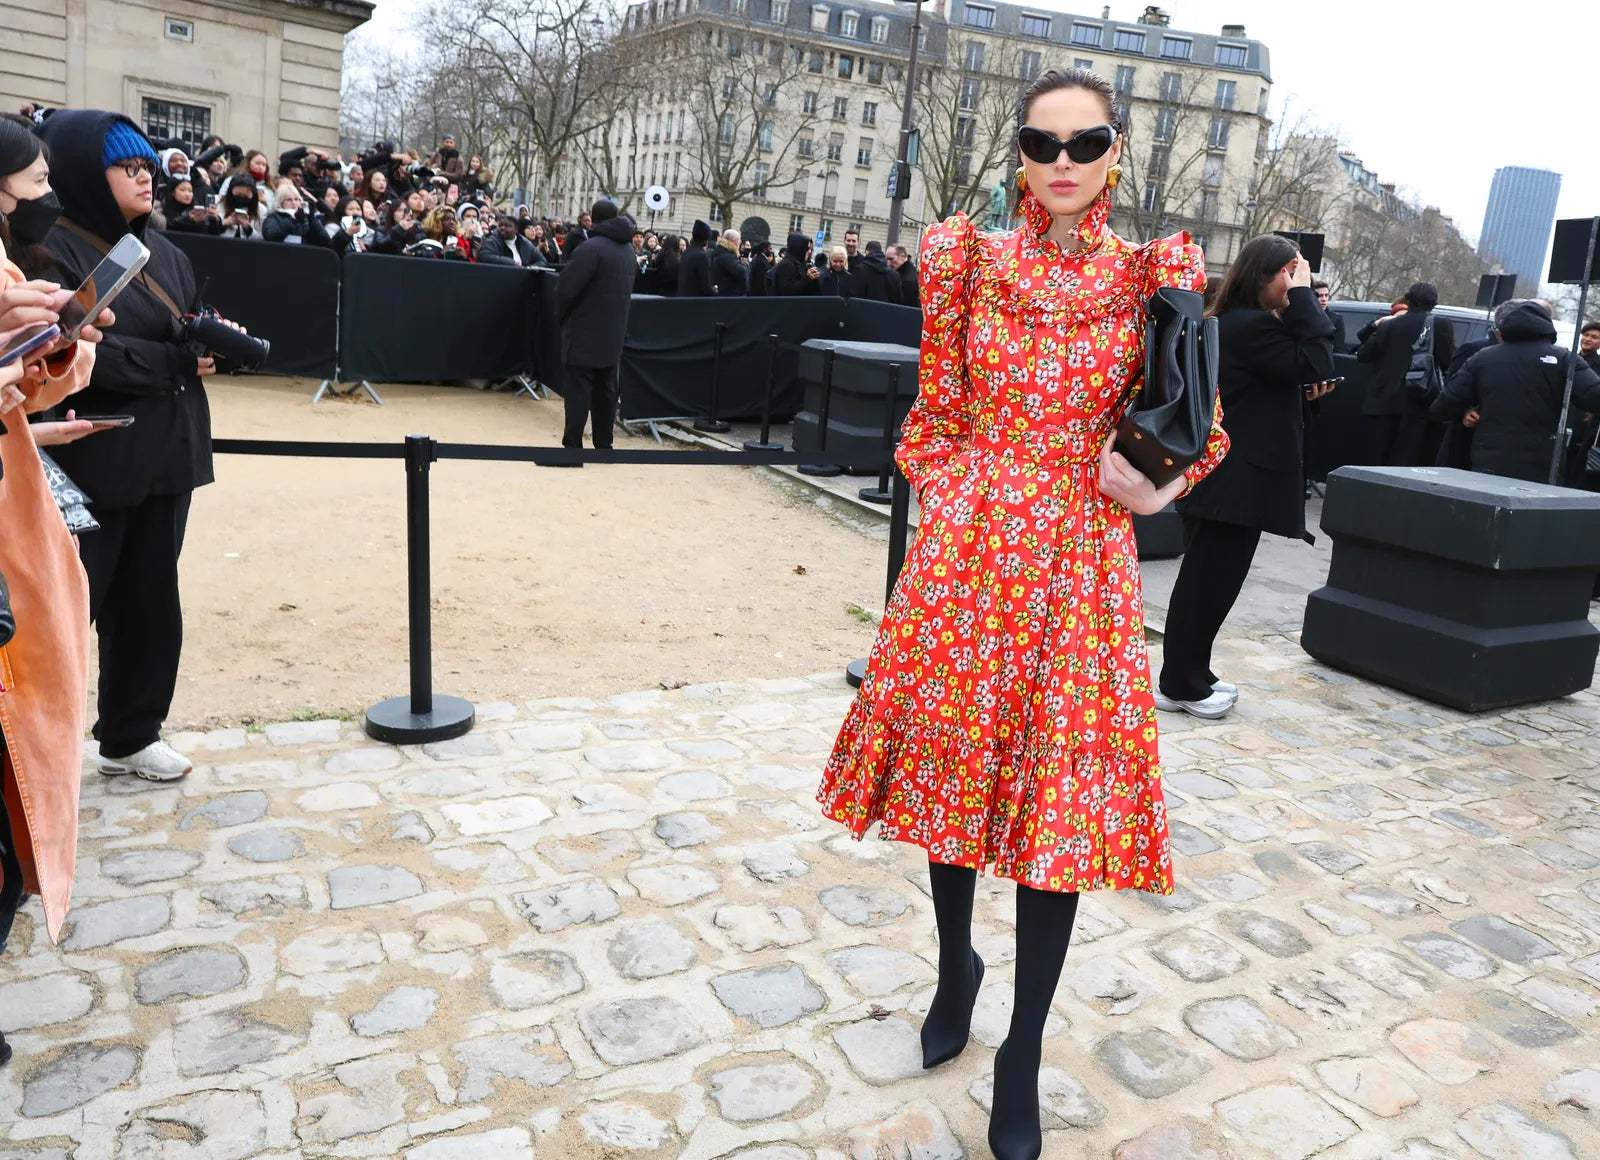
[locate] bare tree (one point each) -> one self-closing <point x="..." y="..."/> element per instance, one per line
<point x="1166" y="166"/>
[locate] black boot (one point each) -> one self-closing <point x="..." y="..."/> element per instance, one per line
<point x="949" y="1019"/>
<point x="5" y="1050"/>
<point x="1044" y="928"/>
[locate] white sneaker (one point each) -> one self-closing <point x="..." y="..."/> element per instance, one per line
<point x="157" y="761"/>
<point x="1226" y="687"/>
<point x="1217" y="705"/>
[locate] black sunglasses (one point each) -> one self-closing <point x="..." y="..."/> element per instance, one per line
<point x="1089" y="145"/>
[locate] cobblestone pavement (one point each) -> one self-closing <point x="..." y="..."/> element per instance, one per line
<point x="622" y="929"/>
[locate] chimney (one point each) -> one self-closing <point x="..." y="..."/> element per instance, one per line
<point x="1236" y="30"/>
<point x="1105" y="13"/>
<point x="1155" y="16"/>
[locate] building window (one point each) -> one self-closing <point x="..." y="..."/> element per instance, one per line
<point x="189" y="123"/>
<point x="735" y="44"/>
<point x="780" y="11"/>
<point x="1226" y="92"/>
<point x="1172" y="87"/>
<point x="727" y="88"/>
<point x="682" y="117"/>
<point x="1219" y="133"/>
<point x="1151" y="198"/>
<point x="180" y="30"/>
<point x="762" y="172"/>
<point x="1083" y="62"/>
<point x="1128" y="40"/>
<point x="1030" y="25"/>
<point x="725" y="129"/>
<point x="1086" y="34"/>
<point x="848" y="23"/>
<point x="1160" y="162"/>
<point x="875" y="72"/>
<point x="797" y="55"/>
<point x="835" y="146"/>
<point x="978" y="17"/>
<point x="966" y="132"/>
<point x="826" y="229"/>
<point x="1177" y="47"/>
<point x="736" y="7"/>
<point x="869" y="112"/>
<point x="922" y="38"/>
<point x="677" y="167"/>
<point x="864" y="151"/>
<point x="1124" y="79"/>
<point x="1031" y="64"/>
<point x="764" y="138"/>
<point x="797" y="223"/>
<point x="772" y="96"/>
<point x="971" y="90"/>
<point x="814" y="64"/>
<point x="1232" y="55"/>
<point x="972" y="56"/>
<point x="880" y="30"/>
<point x="847" y="66"/>
<point x="841" y="108"/>
<point x="714" y="213"/>
<point x="808" y="101"/>
<point x="804" y="147"/>
<point x="1213" y="171"/>
<point x="1261" y="104"/>
<point x="1166" y="124"/>
<point x="819" y="18"/>
<point x="1208" y="205"/>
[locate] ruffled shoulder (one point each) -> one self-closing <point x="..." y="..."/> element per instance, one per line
<point x="947" y="256"/>
<point x="1172" y="261"/>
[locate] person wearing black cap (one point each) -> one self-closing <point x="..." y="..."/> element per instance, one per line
<point x="593" y="294"/>
<point x="141" y="477"/>
<point x="694" y="271"/>
<point x="760" y="267"/>
<point x="795" y="274"/>
<point x="1402" y="435"/>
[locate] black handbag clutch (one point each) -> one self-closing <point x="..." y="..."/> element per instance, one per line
<point x="1164" y="430"/>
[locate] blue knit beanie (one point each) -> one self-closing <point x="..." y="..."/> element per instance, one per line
<point x="124" y="143"/>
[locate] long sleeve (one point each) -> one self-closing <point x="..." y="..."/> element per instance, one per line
<point x="1459" y="396"/>
<point x="940" y="421"/>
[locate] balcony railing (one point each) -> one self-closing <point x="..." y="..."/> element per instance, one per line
<point x="858" y="207"/>
<point x="830" y="203"/>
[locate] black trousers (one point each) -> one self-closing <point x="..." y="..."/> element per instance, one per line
<point x="591" y="392"/>
<point x="1405" y="440"/>
<point x="1216" y="560"/>
<point x="132" y="563"/>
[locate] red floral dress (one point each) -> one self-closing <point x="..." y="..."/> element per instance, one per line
<point x="1006" y="717"/>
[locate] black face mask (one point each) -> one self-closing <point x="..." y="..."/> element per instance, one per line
<point x="32" y="218"/>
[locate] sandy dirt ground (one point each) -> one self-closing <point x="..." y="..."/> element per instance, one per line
<point x="546" y="582"/>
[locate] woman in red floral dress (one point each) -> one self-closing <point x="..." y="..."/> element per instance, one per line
<point x="1006" y="717"/>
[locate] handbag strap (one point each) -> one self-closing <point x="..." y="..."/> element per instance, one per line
<point x="104" y="250"/>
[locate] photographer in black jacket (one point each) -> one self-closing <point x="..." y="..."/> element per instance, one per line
<point x="592" y="301"/>
<point x="141" y="477"/>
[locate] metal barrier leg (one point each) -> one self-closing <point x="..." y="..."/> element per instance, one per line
<point x="323" y="390"/>
<point x="367" y="387"/>
<point x="713" y="423"/>
<point x="765" y="443"/>
<point x="421" y="717"/>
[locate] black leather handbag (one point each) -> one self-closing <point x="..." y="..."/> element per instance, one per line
<point x="8" y="623"/>
<point x="1164" y="429"/>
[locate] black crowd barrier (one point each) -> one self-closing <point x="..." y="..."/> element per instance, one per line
<point x="288" y="295"/>
<point x="866" y="321"/>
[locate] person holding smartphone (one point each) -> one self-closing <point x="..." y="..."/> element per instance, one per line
<point x="141" y="477"/>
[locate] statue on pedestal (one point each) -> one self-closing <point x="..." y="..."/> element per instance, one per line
<point x="999" y="218"/>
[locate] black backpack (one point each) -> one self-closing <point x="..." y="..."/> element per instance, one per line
<point x="1424" y="380"/>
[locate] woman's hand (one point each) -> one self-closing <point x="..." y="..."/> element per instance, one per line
<point x="1300" y="274"/>
<point x="68" y="430"/>
<point x="205" y="366"/>
<point x="10" y="375"/>
<point x="1470" y="419"/>
<point x="1316" y="390"/>
<point x="1132" y="488"/>
<point x="29" y="303"/>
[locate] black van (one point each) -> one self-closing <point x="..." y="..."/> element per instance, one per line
<point x="1339" y="433"/>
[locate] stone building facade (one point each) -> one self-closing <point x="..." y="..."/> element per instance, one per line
<point x="261" y="73"/>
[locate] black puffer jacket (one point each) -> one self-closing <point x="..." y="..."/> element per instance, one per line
<point x="140" y="369"/>
<point x="594" y="293"/>
<point x="874" y="280"/>
<point x="1516" y="387"/>
<point x="790" y="277"/>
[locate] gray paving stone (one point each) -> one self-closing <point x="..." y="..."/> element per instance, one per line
<point x="605" y="798"/>
<point x="629" y="729"/>
<point x="782" y="777"/>
<point x="43" y="1001"/>
<point x="1580" y="1089"/>
<point x="679" y="831"/>
<point x="1368" y="1084"/>
<point x="338" y="947"/>
<point x="761" y="1091"/>
<point x="530" y="1057"/>
<point x="76" y="1076"/>
<point x="1229" y="886"/>
<point x="875" y="971"/>
<point x="1560" y="856"/>
<point x="673" y="885"/>
<point x="991" y="1014"/>
<point x="769" y="996"/>
<point x="1110" y="984"/>
<point x="1329" y="857"/>
<point x="1181" y="899"/>
<point x="639" y="1030"/>
<point x="863" y="906"/>
<point x="695" y="785"/>
<point x="1281" y="866"/>
<point x="474" y="744"/>
<point x="1388" y="972"/>
<point x="711" y="750"/>
<point x="1200" y="785"/>
<point x="352" y="886"/>
<point x="1197" y="955"/>
<point x="140" y="867"/>
<point x="303" y="732"/>
<point x="495" y="1144"/>
<point x="1465" y="824"/>
<point x="220" y="1043"/>
<point x="1499" y="937"/>
<point x="103" y="923"/>
<point x="1573" y="1002"/>
<point x="1518" y="1022"/>
<point x="1063" y="1101"/>
<point x="409" y="828"/>
<point x="1452" y="956"/>
<point x="533" y="979"/>
<point x="258" y="896"/>
<point x="267" y="845"/>
<point x="881" y="1051"/>
<point x="621" y="1127"/>
<point x="650" y="949"/>
<point x="1503" y="1131"/>
<point x="1336" y="921"/>
<point x="217" y="1125"/>
<point x="585" y="900"/>
<point x="1239" y="827"/>
<point x="1286" y="1121"/>
<point x="1190" y="840"/>
<point x="637" y="758"/>
<point x="1186" y="1139"/>
<point x="1238" y="1027"/>
<point x="441" y="783"/>
<point x="1335" y="805"/>
<point x="498" y="816"/>
<point x="233" y="809"/>
<point x="548" y="738"/>
<point x="1150" y="1063"/>
<point x="917" y="1131"/>
<point x="371" y="759"/>
<point x="1447" y="1051"/>
<point x="402" y="1009"/>
<point x="191" y="974"/>
<point x="1385" y="901"/>
<point x="774" y="862"/>
<point x="370" y="1097"/>
<point x="1277" y="938"/>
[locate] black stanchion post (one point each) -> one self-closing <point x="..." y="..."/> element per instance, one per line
<point x="421" y="717"/>
<point x="713" y="423"/>
<point x="821" y="468"/>
<point x="891" y="399"/>
<point x="765" y="442"/>
<point x="899" y="527"/>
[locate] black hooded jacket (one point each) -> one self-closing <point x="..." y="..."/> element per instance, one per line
<point x="694" y="273"/>
<point x="1516" y="387"/>
<point x="593" y="295"/>
<point x="140" y="369"/>
<point x="874" y="279"/>
<point x="790" y="277"/>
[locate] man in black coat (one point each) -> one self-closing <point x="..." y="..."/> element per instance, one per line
<point x="577" y="235"/>
<point x="506" y="247"/>
<point x="852" y="249"/>
<point x="1402" y="435"/>
<point x="900" y="261"/>
<point x="873" y="278"/>
<point x="795" y="275"/>
<point x="694" y="268"/>
<point x="1516" y="387"/>
<point x="140" y="478"/>
<point x="729" y="274"/>
<point x="761" y="268"/>
<point x="592" y="299"/>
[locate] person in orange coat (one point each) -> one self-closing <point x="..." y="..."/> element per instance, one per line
<point x="44" y="668"/>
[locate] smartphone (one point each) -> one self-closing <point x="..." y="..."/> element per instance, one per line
<point x="103" y="284"/>
<point x="29" y="341"/>
<point x="107" y="420"/>
<point x="454" y="191"/>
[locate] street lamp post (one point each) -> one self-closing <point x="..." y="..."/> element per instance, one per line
<point x="905" y="126"/>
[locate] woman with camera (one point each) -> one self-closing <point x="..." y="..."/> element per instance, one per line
<point x="141" y="477"/>
<point x="1277" y="354"/>
<point x="240" y="210"/>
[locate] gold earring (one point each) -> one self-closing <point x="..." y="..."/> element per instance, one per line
<point x="1022" y="179"/>
<point x="1113" y="176"/>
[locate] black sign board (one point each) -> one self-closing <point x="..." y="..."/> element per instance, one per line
<point x="1567" y="252"/>
<point x="1310" y="247"/>
<point x="1494" y="289"/>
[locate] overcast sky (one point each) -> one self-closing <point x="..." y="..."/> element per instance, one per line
<point x="1431" y="98"/>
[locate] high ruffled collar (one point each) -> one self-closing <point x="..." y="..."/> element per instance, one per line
<point x="1091" y="227"/>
